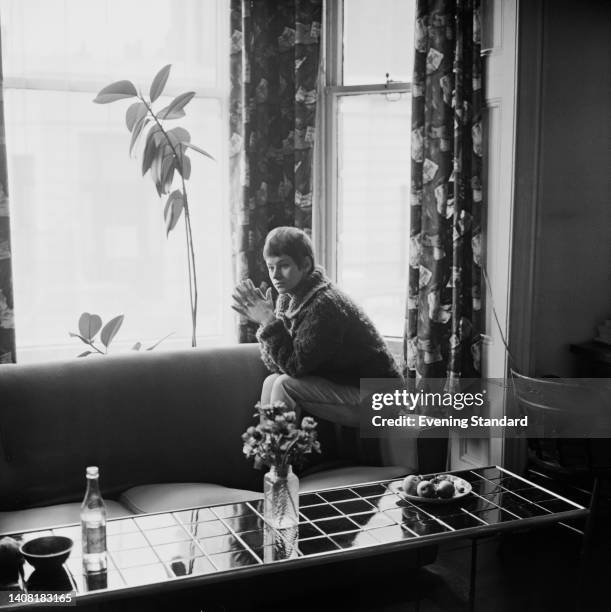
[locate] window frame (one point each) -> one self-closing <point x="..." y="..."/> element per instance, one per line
<point x="326" y="228"/>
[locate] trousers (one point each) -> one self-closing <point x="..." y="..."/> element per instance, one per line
<point x="337" y="403"/>
<point x="320" y="397"/>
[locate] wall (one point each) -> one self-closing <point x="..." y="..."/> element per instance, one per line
<point x="561" y="285"/>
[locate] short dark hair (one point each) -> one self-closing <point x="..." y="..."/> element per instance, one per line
<point x="289" y="241"/>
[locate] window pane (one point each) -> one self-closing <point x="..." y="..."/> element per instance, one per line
<point x="374" y="186"/>
<point x="105" y="40"/>
<point x="378" y="39"/>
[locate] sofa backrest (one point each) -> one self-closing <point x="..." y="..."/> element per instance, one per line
<point x="142" y="417"/>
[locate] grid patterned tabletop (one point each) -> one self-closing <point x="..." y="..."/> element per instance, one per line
<point x="153" y="551"/>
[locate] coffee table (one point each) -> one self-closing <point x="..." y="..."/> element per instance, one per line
<point x="161" y="552"/>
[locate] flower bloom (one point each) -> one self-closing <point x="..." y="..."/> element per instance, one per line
<point x="276" y="439"/>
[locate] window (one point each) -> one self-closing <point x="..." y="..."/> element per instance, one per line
<point x="364" y="224"/>
<point x="87" y="230"/>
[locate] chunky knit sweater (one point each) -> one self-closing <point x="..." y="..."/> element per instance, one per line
<point x="320" y="331"/>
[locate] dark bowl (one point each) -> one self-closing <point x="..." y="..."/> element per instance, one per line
<point x="47" y="553"/>
<point x="49" y="580"/>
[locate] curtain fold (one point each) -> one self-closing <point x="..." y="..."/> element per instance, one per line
<point x="444" y="308"/>
<point x="275" y="50"/>
<point x="7" y="326"/>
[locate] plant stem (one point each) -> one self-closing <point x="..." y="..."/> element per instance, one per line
<point x="190" y="258"/>
<point x="93" y="346"/>
<point x="188" y="230"/>
<point x="192" y="271"/>
<point x="288" y="450"/>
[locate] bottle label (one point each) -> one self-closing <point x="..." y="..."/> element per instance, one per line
<point x="94" y="538"/>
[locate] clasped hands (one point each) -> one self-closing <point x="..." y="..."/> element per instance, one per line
<point x="252" y="303"/>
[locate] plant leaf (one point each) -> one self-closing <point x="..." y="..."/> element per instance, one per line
<point x="150" y="152"/>
<point x="167" y="173"/>
<point x="185" y="171"/>
<point x="156" y="136"/>
<point x="89" y="325"/>
<point x="156" y="170"/>
<point x="139" y="126"/>
<point x="137" y="346"/>
<point x="85" y="353"/>
<point x="133" y="113"/>
<point x="163" y="152"/>
<point x="150" y="348"/>
<point x="155" y="132"/>
<point x="161" y="78"/>
<point x="109" y="331"/>
<point x="177" y="104"/>
<point x="192" y="146"/>
<point x="160" y="139"/>
<point x="179" y="135"/>
<point x="116" y="91"/>
<point x="173" y="210"/>
<point x="170" y="114"/>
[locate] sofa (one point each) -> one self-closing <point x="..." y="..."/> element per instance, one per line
<point x="164" y="428"/>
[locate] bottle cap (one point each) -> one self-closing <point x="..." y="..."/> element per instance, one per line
<point x="92" y="471"/>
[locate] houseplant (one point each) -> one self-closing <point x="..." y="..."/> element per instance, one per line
<point x="164" y="154"/>
<point x="278" y="443"/>
<point x="90" y="324"/>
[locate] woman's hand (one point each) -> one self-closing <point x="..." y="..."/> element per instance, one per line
<point x="250" y="302"/>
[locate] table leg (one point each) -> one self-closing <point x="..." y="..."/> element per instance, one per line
<point x="418" y="580"/>
<point x="585" y="558"/>
<point x="587" y="535"/>
<point x="473" y="574"/>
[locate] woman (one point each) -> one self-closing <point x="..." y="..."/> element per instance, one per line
<point x="316" y="340"/>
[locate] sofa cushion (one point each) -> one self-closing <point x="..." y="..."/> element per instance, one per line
<point x="352" y="475"/>
<point x="49" y="516"/>
<point x="180" y="495"/>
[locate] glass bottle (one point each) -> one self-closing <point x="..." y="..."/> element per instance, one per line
<point x="93" y="524"/>
<point x="281" y="497"/>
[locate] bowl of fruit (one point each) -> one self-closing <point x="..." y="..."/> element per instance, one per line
<point x="440" y="489"/>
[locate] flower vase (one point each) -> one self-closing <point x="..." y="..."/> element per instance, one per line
<point x="281" y="497"/>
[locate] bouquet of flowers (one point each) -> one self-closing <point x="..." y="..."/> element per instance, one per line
<point x="277" y="440"/>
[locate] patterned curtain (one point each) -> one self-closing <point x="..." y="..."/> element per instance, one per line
<point x="7" y="327"/>
<point x="275" y="47"/>
<point x="444" y="314"/>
